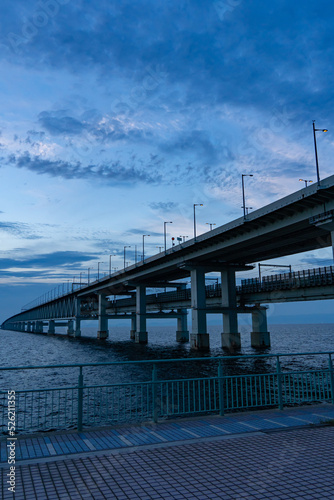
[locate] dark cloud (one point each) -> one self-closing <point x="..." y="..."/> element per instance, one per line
<point x="254" y="54"/>
<point x="316" y="262"/>
<point x="50" y="260"/>
<point x="163" y="206"/>
<point x="113" y="171"/>
<point x="19" y="229"/>
<point x="91" y="126"/>
<point x="141" y="232"/>
<point x="57" y="124"/>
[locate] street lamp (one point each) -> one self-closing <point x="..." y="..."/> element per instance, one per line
<point x="112" y="255"/>
<point x="160" y="249"/>
<point x="98" y="270"/>
<point x="196" y="205"/>
<point x="315" y="148"/>
<point x="170" y="222"/>
<point x="88" y="273"/>
<point x="210" y="224"/>
<point x="243" y="192"/>
<point x="126" y="246"/>
<point x="303" y="180"/>
<point x="82" y="272"/>
<point x="144" y="245"/>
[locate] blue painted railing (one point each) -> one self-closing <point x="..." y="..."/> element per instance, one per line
<point x="153" y="398"/>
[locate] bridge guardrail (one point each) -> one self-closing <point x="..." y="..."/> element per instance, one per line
<point x="218" y="389"/>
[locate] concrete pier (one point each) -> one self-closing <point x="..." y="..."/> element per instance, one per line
<point x="199" y="338"/>
<point x="230" y="337"/>
<point x="102" y="332"/>
<point x="133" y="327"/>
<point x="141" y="332"/>
<point x="260" y="337"/>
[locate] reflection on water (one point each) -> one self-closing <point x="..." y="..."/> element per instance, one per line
<point x="24" y="349"/>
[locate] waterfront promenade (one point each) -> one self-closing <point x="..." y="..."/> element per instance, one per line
<point x="264" y="454"/>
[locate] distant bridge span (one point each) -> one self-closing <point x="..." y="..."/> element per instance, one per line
<point x="300" y="222"/>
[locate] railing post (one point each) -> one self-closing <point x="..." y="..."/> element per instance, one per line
<point x="331" y="374"/>
<point x="279" y="383"/>
<point x="221" y="389"/>
<point x="154" y="393"/>
<point x="80" y="399"/>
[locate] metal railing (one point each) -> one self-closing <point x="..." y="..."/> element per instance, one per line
<point x="218" y="389"/>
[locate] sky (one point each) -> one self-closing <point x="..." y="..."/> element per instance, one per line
<point x="118" y="116"/>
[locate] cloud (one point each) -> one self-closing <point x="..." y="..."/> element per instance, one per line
<point x="57" y="124"/>
<point x="19" y="229"/>
<point x="50" y="260"/>
<point x="141" y="232"/>
<point x="163" y="206"/>
<point x="112" y="171"/>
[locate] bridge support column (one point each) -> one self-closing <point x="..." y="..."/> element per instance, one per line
<point x="103" y="332"/>
<point x="70" y="329"/>
<point x="182" y="333"/>
<point x="141" y="333"/>
<point x="77" y="329"/>
<point x="52" y="328"/>
<point x="39" y="327"/>
<point x="29" y="326"/>
<point x="199" y="338"/>
<point x="133" y="327"/>
<point x="230" y="335"/>
<point x="260" y="337"/>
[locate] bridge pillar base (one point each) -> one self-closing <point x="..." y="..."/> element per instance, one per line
<point x="51" y="328"/>
<point x="39" y="327"/>
<point x="200" y="341"/>
<point x="182" y="336"/>
<point x="102" y="334"/>
<point x="133" y="334"/>
<point x="141" y="338"/>
<point x="231" y="340"/>
<point x="260" y="339"/>
<point x="70" y="330"/>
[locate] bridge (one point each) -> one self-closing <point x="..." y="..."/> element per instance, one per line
<point x="302" y="221"/>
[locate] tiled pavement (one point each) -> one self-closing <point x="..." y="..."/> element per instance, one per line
<point x="253" y="455"/>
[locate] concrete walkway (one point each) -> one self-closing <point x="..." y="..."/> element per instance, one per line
<point x="264" y="454"/>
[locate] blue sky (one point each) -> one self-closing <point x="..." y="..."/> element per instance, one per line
<point x="118" y="116"/>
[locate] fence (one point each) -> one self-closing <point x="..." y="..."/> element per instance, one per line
<point x="78" y="406"/>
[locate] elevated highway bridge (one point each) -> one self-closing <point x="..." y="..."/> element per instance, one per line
<point x="302" y="221"/>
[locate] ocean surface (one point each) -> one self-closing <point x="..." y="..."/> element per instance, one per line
<point x="24" y="349"/>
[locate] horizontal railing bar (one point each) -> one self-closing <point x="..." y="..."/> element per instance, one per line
<point x="161" y="361"/>
<point x="167" y="381"/>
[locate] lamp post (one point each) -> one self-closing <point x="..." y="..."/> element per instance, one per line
<point x="210" y="224"/>
<point x="98" y="270"/>
<point x="82" y="272"/>
<point x="144" y="246"/>
<point x="112" y="255"/>
<point x="315" y="148"/>
<point x="243" y="192"/>
<point x="170" y="222"/>
<point x="126" y="246"/>
<point x="160" y="249"/>
<point x="88" y="273"/>
<point x="196" y="205"/>
<point x="303" y="180"/>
